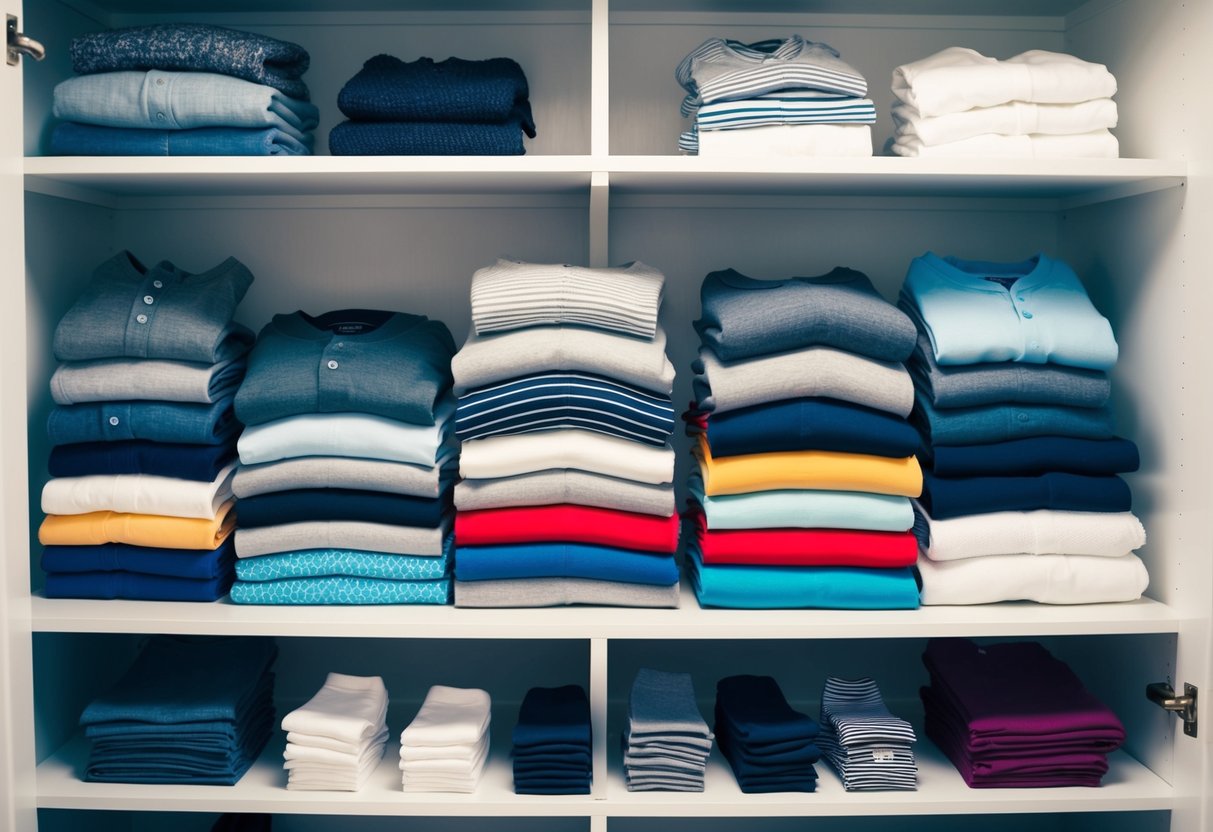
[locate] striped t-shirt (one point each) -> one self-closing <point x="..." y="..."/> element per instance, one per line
<point x="727" y="70"/>
<point x="514" y="295"/>
<point x="553" y="401"/>
<point x="787" y="107"/>
<point x="868" y="746"/>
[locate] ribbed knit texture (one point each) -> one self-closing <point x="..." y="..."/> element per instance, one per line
<point x="416" y="138"/>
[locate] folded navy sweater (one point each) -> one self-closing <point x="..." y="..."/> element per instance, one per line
<point x="454" y="90"/>
<point x="196" y="47"/>
<point x="422" y="138"/>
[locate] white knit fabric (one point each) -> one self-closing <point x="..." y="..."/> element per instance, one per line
<point x="1048" y="579"/>
<point x="336" y="739"/>
<point x="1044" y="532"/>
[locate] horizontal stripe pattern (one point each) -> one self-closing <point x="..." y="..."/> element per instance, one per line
<point x="788" y="107"/>
<point x="513" y="295"/>
<point x="719" y="70"/>
<point x="868" y="746"/>
<point x="553" y="401"/>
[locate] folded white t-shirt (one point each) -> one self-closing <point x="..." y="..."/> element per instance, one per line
<point x="348" y="708"/>
<point x="449" y="716"/>
<point x="1016" y="118"/>
<point x="1098" y="144"/>
<point x="508" y="456"/>
<point x="1047" y="579"/>
<point x="795" y="140"/>
<point x="1043" y="532"/>
<point x="138" y="494"/>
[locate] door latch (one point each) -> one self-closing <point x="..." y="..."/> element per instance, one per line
<point x="18" y="44"/>
<point x="1163" y="695"/>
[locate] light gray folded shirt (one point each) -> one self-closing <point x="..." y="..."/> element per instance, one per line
<point x="563" y="485"/>
<point x="555" y="592"/>
<point x="138" y="379"/>
<point x="341" y="534"/>
<point x="663" y="703"/>
<point x="344" y="472"/>
<point x="813" y="371"/>
<point x="487" y="359"/>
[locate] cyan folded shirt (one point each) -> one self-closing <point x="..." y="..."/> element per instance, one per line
<point x="162" y="100"/>
<point x="72" y="139"/>
<point x="314" y="563"/>
<point x="341" y="589"/>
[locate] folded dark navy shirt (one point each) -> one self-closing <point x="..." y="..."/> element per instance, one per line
<point x="810" y="424"/>
<point x="945" y="498"/>
<point x="755" y="709"/>
<point x="200" y="463"/>
<point x="1034" y="455"/>
<point x="306" y="504"/>
<point x="425" y="138"/>
<point x="203" y="564"/>
<point x="135" y="586"/>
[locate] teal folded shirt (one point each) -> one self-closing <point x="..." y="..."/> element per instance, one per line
<point x="315" y="563"/>
<point x="341" y="589"/>
<point x="804" y="509"/>
<point x="801" y="587"/>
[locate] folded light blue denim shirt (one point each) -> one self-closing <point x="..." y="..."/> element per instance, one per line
<point x="160" y="100"/>
<point x="128" y="310"/>
<point x="197" y="424"/>
<point x="71" y="139"/>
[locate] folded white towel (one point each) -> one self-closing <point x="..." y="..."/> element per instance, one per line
<point x="1099" y="144"/>
<point x="524" y="453"/>
<point x="347" y="708"/>
<point x="958" y="79"/>
<point x="464" y="751"/>
<point x="317" y="741"/>
<point x="1048" y="579"/>
<point x="1044" y="532"/>
<point x="329" y="756"/>
<point x="797" y="140"/>
<point x="458" y="766"/>
<point x="449" y="716"/>
<point x="1016" y="118"/>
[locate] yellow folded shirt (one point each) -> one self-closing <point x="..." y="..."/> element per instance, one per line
<point x="824" y="470"/>
<point x="155" y="530"/>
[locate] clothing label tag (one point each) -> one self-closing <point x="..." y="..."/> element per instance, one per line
<point x="882" y="755"/>
<point x="351" y="328"/>
<point x="1001" y="280"/>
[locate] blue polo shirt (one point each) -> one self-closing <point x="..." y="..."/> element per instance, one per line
<point x="1034" y="311"/>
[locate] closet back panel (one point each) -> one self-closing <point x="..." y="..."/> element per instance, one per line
<point x="552" y="48"/>
<point x="645" y="48"/>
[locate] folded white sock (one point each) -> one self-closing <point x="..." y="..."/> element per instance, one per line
<point x="449" y="716"/>
<point x="448" y="766"/>
<point x="347" y="708"/>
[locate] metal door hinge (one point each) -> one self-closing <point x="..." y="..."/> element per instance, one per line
<point x="18" y="44"/>
<point x="1163" y="695"/>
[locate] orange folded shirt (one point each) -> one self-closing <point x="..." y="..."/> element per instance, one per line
<point x="158" y="531"/>
<point x="823" y="470"/>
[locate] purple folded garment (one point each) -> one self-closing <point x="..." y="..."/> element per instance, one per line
<point x="1017" y="694"/>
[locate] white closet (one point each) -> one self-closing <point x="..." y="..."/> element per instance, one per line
<point x="603" y="184"/>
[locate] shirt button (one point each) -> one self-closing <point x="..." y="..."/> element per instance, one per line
<point x="340" y="344"/>
<point x="114" y="421"/>
<point x="141" y="318"/>
<point x="149" y="300"/>
<point x="1027" y="314"/>
<point x="159" y="284"/>
<point x="160" y="82"/>
<point x="160" y="116"/>
<point x="333" y="365"/>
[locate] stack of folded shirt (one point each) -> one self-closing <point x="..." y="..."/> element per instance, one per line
<point x="1020" y="499"/>
<point x="449" y="108"/>
<point x="190" y="709"/>
<point x="184" y="89"/>
<point x="552" y="748"/>
<point x="565" y="416"/>
<point x="345" y="469"/>
<point x="1043" y="105"/>
<point x="776" y="97"/>
<point x="144" y="434"/>
<point x="1014" y="716"/>
<point x="770" y="747"/>
<point x="445" y="747"/>
<point x="336" y="739"/>
<point x="666" y="742"/>
<point x="804" y="459"/>
<point x="871" y="749"/>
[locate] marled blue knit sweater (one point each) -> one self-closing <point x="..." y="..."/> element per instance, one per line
<point x="195" y="47"/>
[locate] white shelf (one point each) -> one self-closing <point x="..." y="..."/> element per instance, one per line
<point x="1128" y="786"/>
<point x="1084" y="180"/>
<point x="688" y="622"/>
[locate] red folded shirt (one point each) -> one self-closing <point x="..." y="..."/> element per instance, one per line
<point x="805" y="547"/>
<point x="567" y="524"/>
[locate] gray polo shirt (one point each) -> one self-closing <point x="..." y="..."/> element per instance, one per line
<point x="387" y="364"/>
